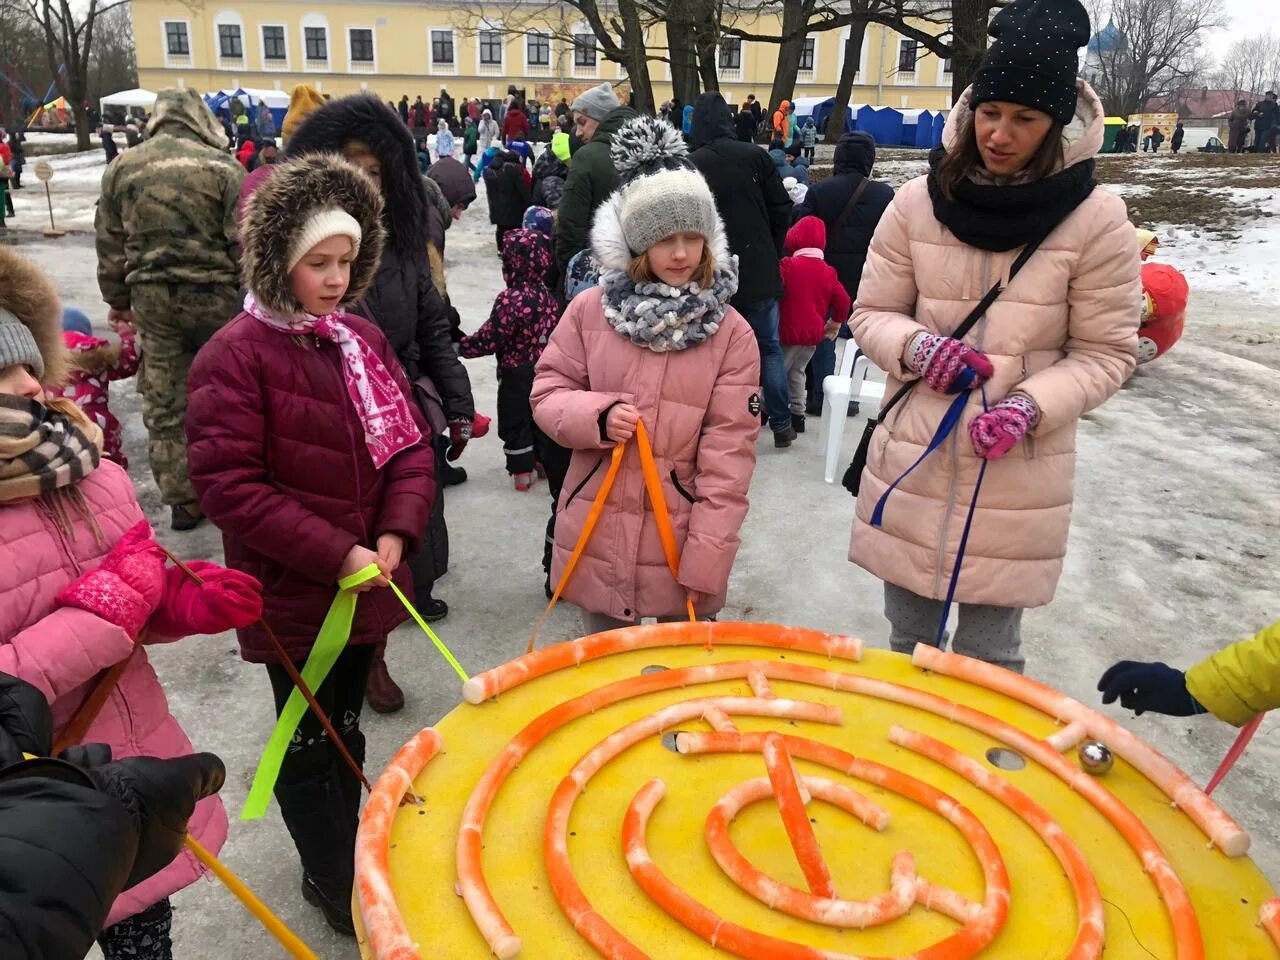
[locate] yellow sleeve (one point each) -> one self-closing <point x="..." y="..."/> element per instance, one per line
<point x="1242" y="680"/>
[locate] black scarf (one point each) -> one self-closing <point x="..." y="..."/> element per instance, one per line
<point x="1003" y="217"/>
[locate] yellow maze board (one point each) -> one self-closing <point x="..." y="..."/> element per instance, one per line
<point x="1042" y="917"/>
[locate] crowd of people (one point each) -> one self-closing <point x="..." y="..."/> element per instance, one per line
<point x="666" y="299"/>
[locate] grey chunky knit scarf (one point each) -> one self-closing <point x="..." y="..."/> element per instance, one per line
<point x="663" y="317"/>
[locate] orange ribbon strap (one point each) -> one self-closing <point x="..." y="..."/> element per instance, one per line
<point x="653" y="484"/>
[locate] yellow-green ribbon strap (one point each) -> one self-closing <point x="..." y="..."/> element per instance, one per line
<point x="333" y="637"/>
<point x="440" y="645"/>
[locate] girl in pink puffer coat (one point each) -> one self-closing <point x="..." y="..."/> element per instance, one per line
<point x="658" y="341"/>
<point x="1017" y="161"/>
<point x="80" y="576"/>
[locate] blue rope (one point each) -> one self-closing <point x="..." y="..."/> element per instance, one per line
<point x="945" y="428"/>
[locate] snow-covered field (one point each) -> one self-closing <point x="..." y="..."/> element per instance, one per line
<point x="1174" y="551"/>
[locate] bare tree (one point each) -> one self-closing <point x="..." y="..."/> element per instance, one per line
<point x="962" y="39"/>
<point x="1251" y="65"/>
<point x="113" y="65"/>
<point x="69" y="35"/>
<point x="1157" y="49"/>
<point x="22" y="62"/>
<point x="617" y="33"/>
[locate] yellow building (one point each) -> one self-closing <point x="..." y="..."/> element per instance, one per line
<point x="396" y="47"/>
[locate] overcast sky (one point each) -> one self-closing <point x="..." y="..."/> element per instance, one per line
<point x="1247" y="16"/>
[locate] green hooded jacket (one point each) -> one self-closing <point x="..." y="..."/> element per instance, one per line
<point x="592" y="178"/>
<point x="167" y="213"/>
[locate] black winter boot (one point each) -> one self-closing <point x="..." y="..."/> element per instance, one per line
<point x="316" y="814"/>
<point x="348" y="784"/>
<point x="797" y="422"/>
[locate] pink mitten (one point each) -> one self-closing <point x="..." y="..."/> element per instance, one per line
<point x="127" y="587"/>
<point x="946" y="364"/>
<point x="227" y="599"/>
<point x="994" y="433"/>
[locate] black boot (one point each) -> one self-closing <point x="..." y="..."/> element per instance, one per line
<point x="348" y="784"/>
<point x="797" y="422"/>
<point x="316" y="813"/>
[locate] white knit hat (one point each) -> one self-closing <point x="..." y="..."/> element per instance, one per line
<point x="320" y="226"/>
<point x="662" y="192"/>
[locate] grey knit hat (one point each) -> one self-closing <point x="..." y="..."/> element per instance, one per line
<point x="662" y="192"/>
<point x="17" y="345"/>
<point x="597" y="102"/>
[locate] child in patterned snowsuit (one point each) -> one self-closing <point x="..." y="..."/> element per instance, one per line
<point x="522" y="319"/>
<point x="94" y="363"/>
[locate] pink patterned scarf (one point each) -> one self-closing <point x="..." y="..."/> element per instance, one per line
<point x="380" y="403"/>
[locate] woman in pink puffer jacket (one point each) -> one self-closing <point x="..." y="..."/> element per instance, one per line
<point x="80" y="576"/>
<point x="1016" y="163"/>
<point x="656" y="341"/>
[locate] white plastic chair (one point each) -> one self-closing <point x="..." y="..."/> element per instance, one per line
<point x="838" y="391"/>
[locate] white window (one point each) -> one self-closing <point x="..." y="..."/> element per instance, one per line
<point x="315" y="42"/>
<point x="230" y="43"/>
<point x="491" y="47"/>
<point x="908" y="54"/>
<point x="809" y="55"/>
<point x="586" y="62"/>
<point x="860" y="75"/>
<point x="537" y="53"/>
<point x="361" y="50"/>
<point x="177" y="39"/>
<point x="275" y="47"/>
<point x="442" y="50"/>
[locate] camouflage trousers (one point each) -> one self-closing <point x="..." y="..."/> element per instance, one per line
<point x="174" y="320"/>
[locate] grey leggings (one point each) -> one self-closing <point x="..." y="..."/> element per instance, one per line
<point x="984" y="632"/>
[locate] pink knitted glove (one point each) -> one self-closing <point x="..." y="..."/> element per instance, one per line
<point x="994" y="433"/>
<point x="127" y="587"/>
<point x="227" y="599"/>
<point x="946" y="364"/>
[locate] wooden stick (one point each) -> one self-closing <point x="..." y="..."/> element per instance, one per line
<point x="275" y="926"/>
<point x="338" y="743"/>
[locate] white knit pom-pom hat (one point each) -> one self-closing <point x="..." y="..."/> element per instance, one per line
<point x="662" y="192"/>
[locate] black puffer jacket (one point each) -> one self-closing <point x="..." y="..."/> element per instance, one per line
<point x="549" y="175"/>
<point x="847" y="248"/>
<point x="508" y="193"/>
<point x="402" y="301"/>
<point x="749" y="195"/>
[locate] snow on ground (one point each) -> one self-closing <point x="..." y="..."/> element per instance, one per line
<point x="1174" y="553"/>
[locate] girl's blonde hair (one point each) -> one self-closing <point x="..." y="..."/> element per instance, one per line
<point x="640" y="270"/>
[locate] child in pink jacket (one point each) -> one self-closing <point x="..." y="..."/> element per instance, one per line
<point x="814" y="305"/>
<point x="82" y="582"/>
<point x="657" y="341"/>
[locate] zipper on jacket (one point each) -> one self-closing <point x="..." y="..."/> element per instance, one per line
<point x="675" y="482"/>
<point x="585" y="480"/>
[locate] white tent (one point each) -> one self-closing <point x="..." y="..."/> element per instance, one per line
<point x="143" y="99"/>
<point x="275" y="99"/>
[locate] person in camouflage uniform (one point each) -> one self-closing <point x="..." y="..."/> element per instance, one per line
<point x="168" y="264"/>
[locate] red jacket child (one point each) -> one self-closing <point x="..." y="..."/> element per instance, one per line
<point x="811" y="288"/>
<point x="94" y="363"/>
<point x="515" y="125"/>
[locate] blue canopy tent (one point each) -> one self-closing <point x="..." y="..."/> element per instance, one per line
<point x="939" y="124"/>
<point x="910" y="122"/>
<point x="883" y="123"/>
<point x="920" y="129"/>
<point x="276" y="101"/>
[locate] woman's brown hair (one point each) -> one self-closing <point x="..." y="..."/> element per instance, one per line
<point x="965" y="157"/>
<point x="640" y="270"/>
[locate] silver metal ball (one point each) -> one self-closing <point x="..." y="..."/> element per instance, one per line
<point x="1095" y="758"/>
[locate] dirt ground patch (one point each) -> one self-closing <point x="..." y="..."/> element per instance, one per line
<point x="1193" y="190"/>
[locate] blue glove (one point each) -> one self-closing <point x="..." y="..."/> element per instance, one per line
<point x="1149" y="686"/>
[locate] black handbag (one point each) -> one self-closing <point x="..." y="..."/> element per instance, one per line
<point x="852" y="479"/>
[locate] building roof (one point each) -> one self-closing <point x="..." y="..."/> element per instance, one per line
<point x="1107" y="39"/>
<point x="1201" y="102"/>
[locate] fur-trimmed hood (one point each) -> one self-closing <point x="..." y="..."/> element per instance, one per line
<point x="609" y="245"/>
<point x="31" y="297"/>
<point x="366" y="119"/>
<point x="278" y="209"/>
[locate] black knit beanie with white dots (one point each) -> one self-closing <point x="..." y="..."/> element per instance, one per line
<point x="1034" y="59"/>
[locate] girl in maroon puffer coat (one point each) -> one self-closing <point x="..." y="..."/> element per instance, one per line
<point x="309" y="456"/>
